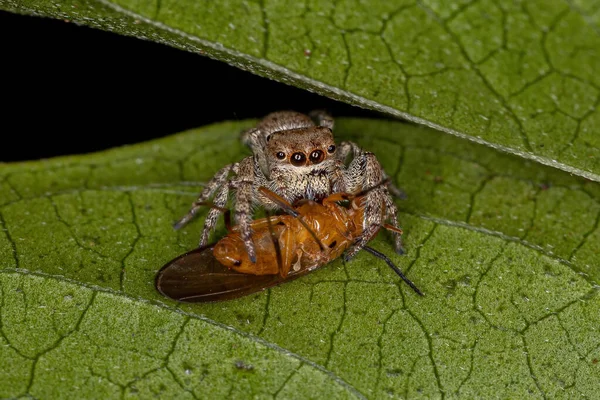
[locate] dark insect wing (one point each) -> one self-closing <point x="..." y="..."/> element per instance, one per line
<point x="197" y="277"/>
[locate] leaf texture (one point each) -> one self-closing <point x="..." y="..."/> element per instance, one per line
<point x="506" y="251"/>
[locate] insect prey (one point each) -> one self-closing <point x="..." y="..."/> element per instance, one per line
<point x="308" y="236"/>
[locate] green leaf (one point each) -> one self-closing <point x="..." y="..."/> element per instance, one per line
<point x="518" y="76"/>
<point x="505" y="250"/>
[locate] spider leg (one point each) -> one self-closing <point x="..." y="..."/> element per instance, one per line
<point x="347" y="148"/>
<point x="322" y="118"/>
<point x="365" y="172"/>
<point x="251" y="138"/>
<point x="255" y="139"/>
<point x="391" y="211"/>
<point x="211" y="187"/>
<point x="393" y="189"/>
<point x="392" y="216"/>
<point x="361" y="242"/>
<point x="226" y="212"/>
<point x="219" y="203"/>
<point x="243" y="204"/>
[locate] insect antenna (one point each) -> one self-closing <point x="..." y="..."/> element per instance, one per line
<point x="394" y="267"/>
<point x="287" y="207"/>
<point x="384" y="182"/>
<point x="344" y="196"/>
<point x="275" y="241"/>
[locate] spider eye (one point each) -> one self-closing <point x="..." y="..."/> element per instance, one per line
<point x="298" y="159"/>
<point x="316" y="156"/>
<point x="280" y="155"/>
<point x="331" y="149"/>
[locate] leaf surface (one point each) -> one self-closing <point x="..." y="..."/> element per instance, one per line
<point x="518" y="76"/>
<point x="506" y="251"/>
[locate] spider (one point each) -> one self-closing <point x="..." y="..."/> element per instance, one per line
<point x="296" y="157"/>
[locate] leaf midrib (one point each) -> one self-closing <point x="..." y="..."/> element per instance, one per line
<point x="268" y="69"/>
<point x="190" y="315"/>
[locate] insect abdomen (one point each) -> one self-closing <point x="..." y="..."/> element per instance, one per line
<point x="231" y="252"/>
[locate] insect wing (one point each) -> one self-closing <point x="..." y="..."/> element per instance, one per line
<point x="197" y="277"/>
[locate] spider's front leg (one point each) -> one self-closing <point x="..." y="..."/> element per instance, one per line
<point x="217" y="186"/>
<point x="392" y="216"/>
<point x="365" y="172"/>
<point x="322" y="118"/>
<point x="219" y="203"/>
<point x="244" y="184"/>
<point x="347" y="148"/>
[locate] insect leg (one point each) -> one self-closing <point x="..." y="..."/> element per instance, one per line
<point x="287" y="243"/>
<point x="394" y="267"/>
<point x="275" y="241"/>
<point x="335" y="197"/>
<point x="394" y="229"/>
<point x="211" y="187"/>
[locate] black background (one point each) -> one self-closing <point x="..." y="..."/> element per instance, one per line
<point x="70" y="89"/>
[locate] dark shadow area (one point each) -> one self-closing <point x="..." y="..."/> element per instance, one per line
<point x="70" y="89"/>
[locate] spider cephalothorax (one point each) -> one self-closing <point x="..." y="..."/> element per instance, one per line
<point x="296" y="157"/>
<point x="302" y="164"/>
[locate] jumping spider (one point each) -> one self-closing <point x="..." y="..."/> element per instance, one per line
<point x="295" y="156"/>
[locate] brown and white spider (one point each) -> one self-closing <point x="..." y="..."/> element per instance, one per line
<point x="295" y="156"/>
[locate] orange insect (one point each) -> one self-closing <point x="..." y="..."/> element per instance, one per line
<point x="287" y="246"/>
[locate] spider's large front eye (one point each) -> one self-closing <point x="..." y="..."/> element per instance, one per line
<point x="298" y="159"/>
<point x="331" y="149"/>
<point x="316" y="156"/>
<point x="280" y="155"/>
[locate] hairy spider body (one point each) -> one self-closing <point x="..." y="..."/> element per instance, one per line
<point x="295" y="156"/>
<point x="312" y="172"/>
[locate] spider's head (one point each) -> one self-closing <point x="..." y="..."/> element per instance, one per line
<point x="301" y="150"/>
